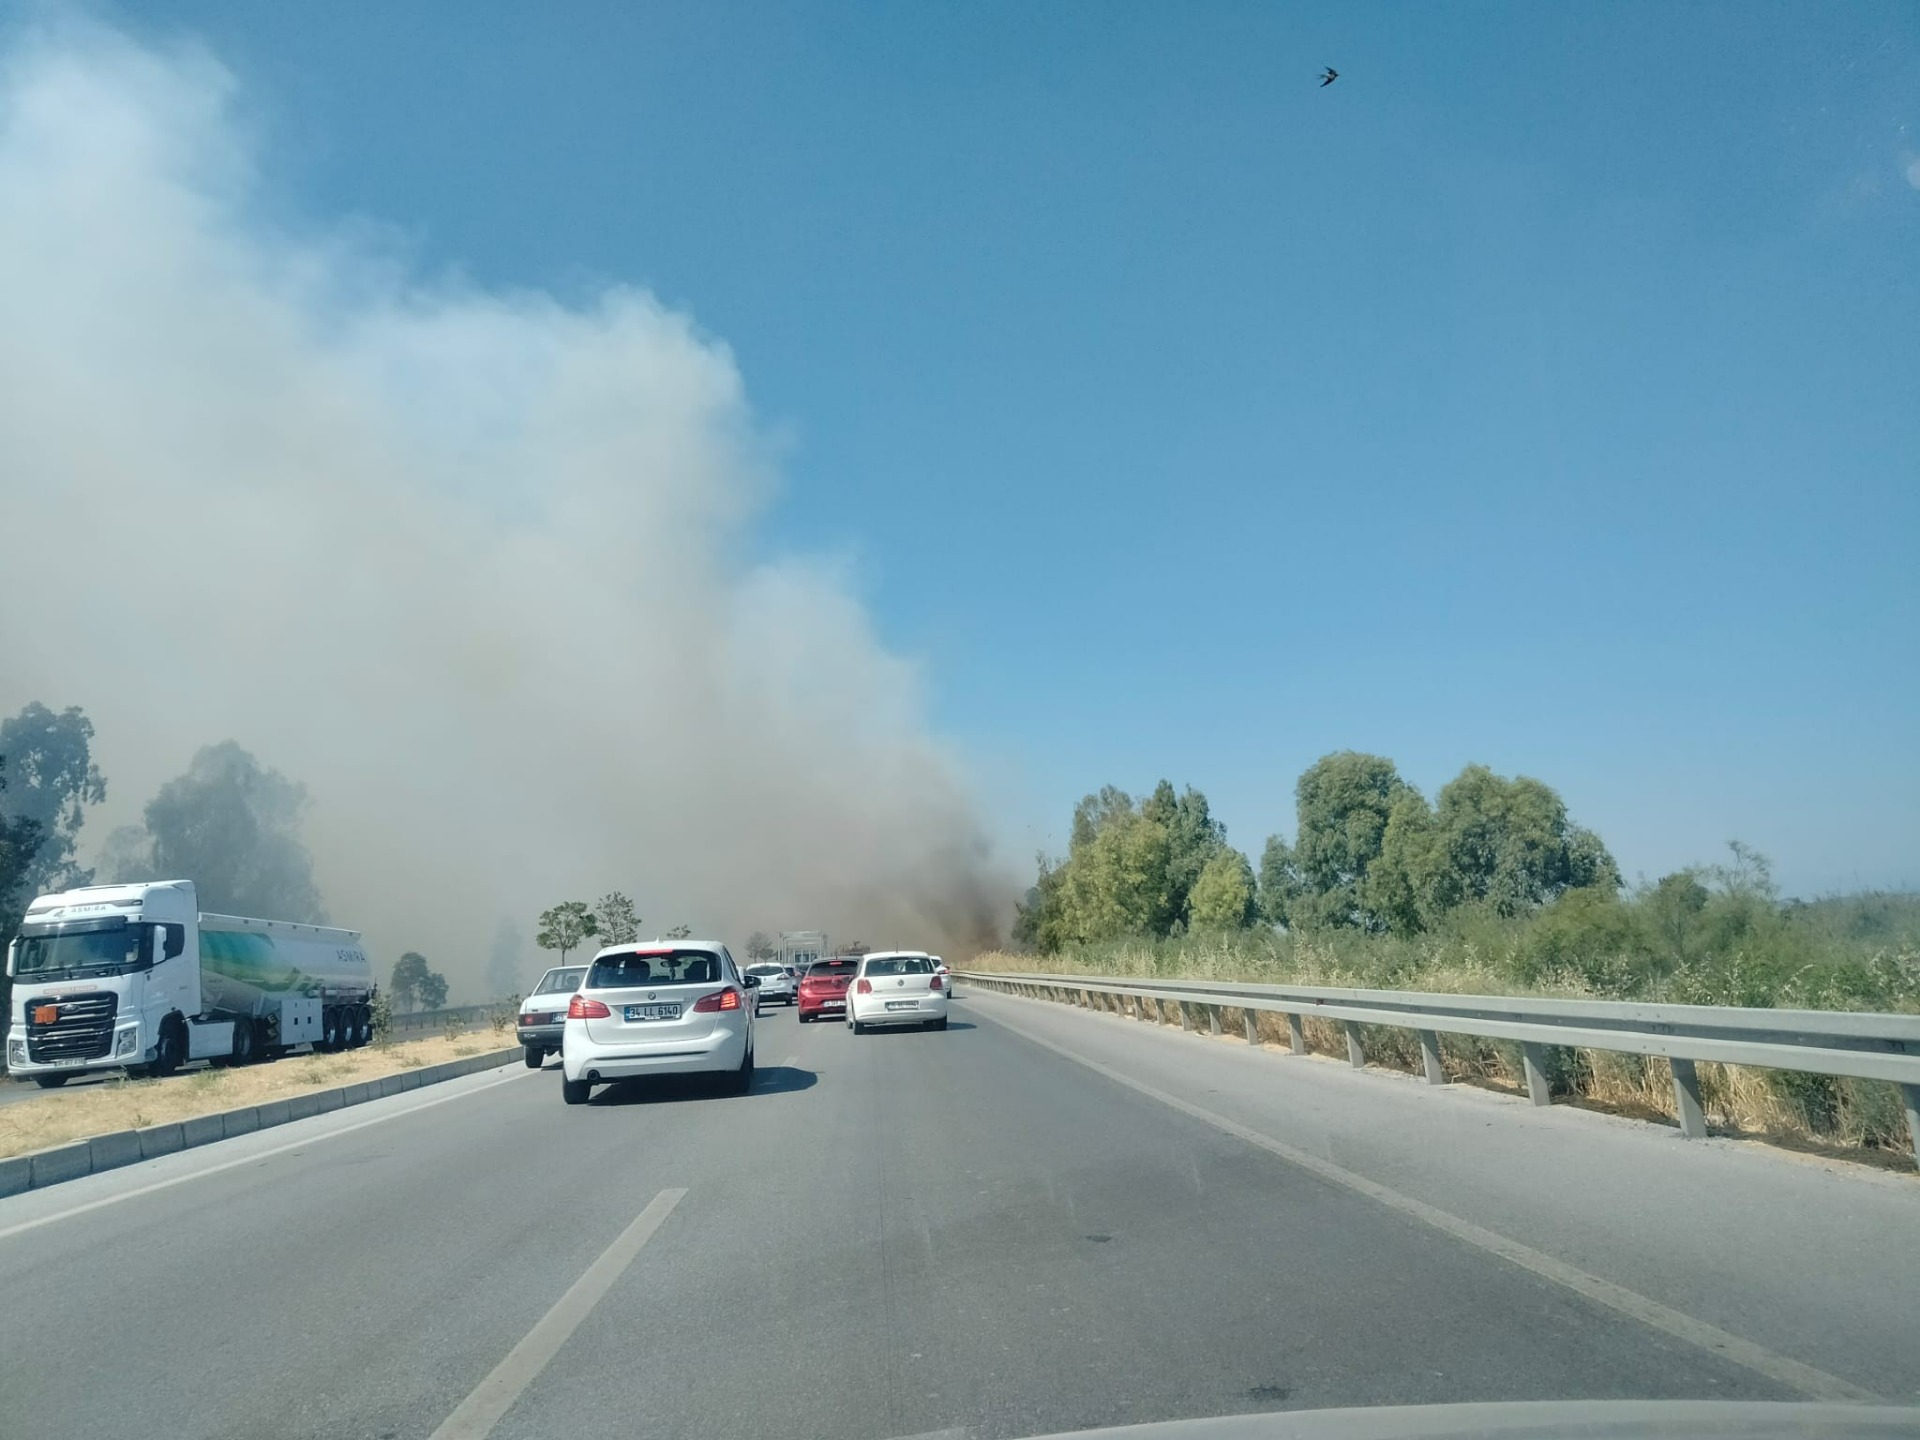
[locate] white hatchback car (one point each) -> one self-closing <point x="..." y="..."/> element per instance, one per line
<point x="897" y="987"/>
<point x="662" y="1009"/>
<point x="776" y="983"/>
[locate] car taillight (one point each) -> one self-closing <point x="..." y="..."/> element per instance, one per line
<point x="728" y="999"/>
<point x="581" y="1008"/>
<point x="934" y="984"/>
<point x="863" y="987"/>
<point x="529" y="1020"/>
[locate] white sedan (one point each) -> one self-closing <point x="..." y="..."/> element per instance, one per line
<point x="897" y="987"/>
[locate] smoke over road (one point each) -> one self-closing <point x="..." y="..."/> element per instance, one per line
<point x="471" y="566"/>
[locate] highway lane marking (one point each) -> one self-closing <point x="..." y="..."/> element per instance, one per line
<point x="1807" y="1379"/>
<point x="202" y="1174"/>
<point x="474" y="1417"/>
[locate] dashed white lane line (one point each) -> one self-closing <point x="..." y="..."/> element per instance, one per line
<point x="474" y="1417"/>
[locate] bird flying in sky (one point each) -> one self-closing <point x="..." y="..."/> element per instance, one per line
<point x="1328" y="76"/>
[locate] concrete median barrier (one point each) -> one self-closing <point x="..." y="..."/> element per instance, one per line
<point x="41" y="1168"/>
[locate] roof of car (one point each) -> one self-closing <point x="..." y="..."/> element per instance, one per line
<point x="896" y="955"/>
<point x="657" y="947"/>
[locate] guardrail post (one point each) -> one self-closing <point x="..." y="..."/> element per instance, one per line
<point x="1356" y="1055"/>
<point x="1430" y="1057"/>
<point x="1686" y="1099"/>
<point x="1534" y="1056"/>
<point x="1252" y="1020"/>
<point x="1213" y="1015"/>
<point x="1296" y="1035"/>
<point x="1910" y="1098"/>
<point x="1186" y="1014"/>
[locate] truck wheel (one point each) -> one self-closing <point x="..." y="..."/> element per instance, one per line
<point x="51" y="1082"/>
<point x="536" y="1057"/>
<point x="170" y="1051"/>
<point x="575" y="1092"/>
<point x="245" y="1043"/>
<point x="329" y="1028"/>
<point x="363" y="1020"/>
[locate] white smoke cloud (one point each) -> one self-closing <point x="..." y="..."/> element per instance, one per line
<point x="470" y="565"/>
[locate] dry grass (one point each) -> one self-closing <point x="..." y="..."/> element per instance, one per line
<point x="1850" y="1119"/>
<point x="56" y="1118"/>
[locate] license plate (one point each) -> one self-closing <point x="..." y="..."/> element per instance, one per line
<point x="653" y="1012"/>
<point x="903" y="1004"/>
<point x="833" y="1004"/>
<point x="72" y="1060"/>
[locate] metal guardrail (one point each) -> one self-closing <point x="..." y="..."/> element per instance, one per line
<point x="1821" y="1042"/>
<point x="471" y="1016"/>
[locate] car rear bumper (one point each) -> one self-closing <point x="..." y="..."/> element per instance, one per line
<point x="836" y="1006"/>
<point x="719" y="1049"/>
<point x="872" y="1010"/>
<point x="547" y="1035"/>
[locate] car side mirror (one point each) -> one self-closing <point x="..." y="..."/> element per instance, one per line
<point x="752" y="982"/>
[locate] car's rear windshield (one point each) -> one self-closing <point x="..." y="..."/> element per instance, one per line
<point x="765" y="970"/>
<point x="655" y="967"/>
<point x="833" y="967"/>
<point x="903" y="965"/>
<point x="560" y="982"/>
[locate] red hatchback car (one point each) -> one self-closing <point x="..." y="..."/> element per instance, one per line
<point x="823" y="989"/>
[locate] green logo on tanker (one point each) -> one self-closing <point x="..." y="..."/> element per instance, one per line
<point x="247" y="958"/>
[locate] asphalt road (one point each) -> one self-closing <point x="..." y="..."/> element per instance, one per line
<point x="1039" y="1220"/>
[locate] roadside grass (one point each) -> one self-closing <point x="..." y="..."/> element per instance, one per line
<point x="1842" y="1118"/>
<point x="132" y="1104"/>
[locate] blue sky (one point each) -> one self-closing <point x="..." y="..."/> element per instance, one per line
<point x="1545" y="393"/>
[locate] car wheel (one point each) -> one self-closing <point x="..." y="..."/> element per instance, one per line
<point x="939" y="1024"/>
<point x="859" y="1027"/>
<point x="51" y="1082"/>
<point x="740" y="1081"/>
<point x="575" y="1092"/>
<point x="536" y="1057"/>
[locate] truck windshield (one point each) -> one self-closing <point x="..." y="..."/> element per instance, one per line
<point x="81" y="947"/>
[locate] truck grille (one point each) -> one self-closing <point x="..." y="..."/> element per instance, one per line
<point x="82" y="1028"/>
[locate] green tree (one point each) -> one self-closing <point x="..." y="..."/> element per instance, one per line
<point x="52" y="778"/>
<point x="1194" y="839"/>
<point x="1039" y="917"/>
<point x="1408" y="886"/>
<point x="565" y="926"/>
<point x="433" y="990"/>
<point x="1670" y="912"/>
<point x="19" y="839"/>
<point x="760" y="946"/>
<point x="619" y="922"/>
<point x="1223" y="893"/>
<point x="232" y="826"/>
<point x="1344" y="801"/>
<point x="410" y="974"/>
<point x="1118" y="882"/>
<point x="1281" y="887"/>
<point x="1508" y="844"/>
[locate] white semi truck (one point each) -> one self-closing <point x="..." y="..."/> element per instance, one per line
<point x="134" y="977"/>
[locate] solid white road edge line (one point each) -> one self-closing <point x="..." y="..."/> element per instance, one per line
<point x="201" y="1174"/>
<point x="1807" y="1379"/>
<point x="474" y="1417"/>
